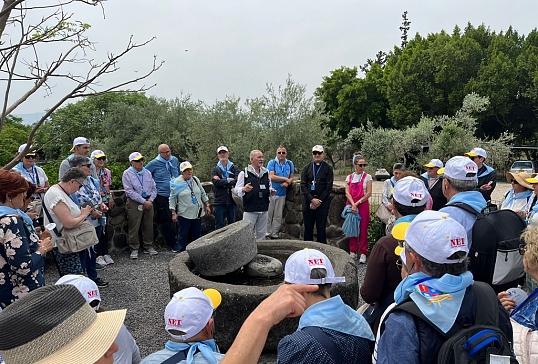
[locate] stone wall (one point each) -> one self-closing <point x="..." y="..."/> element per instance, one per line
<point x="292" y="225"/>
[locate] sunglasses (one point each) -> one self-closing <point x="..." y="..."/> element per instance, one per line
<point x="317" y="153"/>
<point x="139" y="160"/>
<point x="101" y="159"/>
<point x="86" y="165"/>
<point x="29" y="157"/>
<point x="514" y="182"/>
<point x="361" y="164"/>
<point x="284" y="153"/>
<point x="522" y="249"/>
<point x="79" y="184"/>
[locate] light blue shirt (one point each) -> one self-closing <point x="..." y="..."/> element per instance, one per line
<point x="163" y="171"/>
<point x="171" y="348"/>
<point x="281" y="170"/>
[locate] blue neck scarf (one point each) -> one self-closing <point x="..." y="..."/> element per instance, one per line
<point x="225" y="170"/>
<point x="511" y="196"/>
<point x="334" y="314"/>
<point x="5" y="210"/>
<point x="167" y="163"/>
<point x="177" y="185"/>
<point x="206" y="348"/>
<point x="439" y="299"/>
<point x="141" y="173"/>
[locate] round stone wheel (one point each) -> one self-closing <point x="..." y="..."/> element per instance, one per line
<point x="224" y="250"/>
<point x="264" y="266"/>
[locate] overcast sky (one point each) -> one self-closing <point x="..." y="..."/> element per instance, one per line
<point x="214" y="48"/>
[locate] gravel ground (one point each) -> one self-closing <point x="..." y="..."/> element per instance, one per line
<point x="141" y="286"/>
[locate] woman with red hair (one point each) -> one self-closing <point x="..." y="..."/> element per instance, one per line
<point x="22" y="254"/>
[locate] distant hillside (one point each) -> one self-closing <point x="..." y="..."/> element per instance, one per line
<point x="29" y="119"/>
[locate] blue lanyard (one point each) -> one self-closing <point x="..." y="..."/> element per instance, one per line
<point x="30" y="172"/>
<point x="315" y="173"/>
<point x="141" y="181"/>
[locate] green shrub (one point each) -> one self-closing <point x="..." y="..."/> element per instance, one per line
<point x="116" y="170"/>
<point x="51" y="168"/>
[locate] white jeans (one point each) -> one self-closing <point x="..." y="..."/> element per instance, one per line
<point x="276" y="207"/>
<point x="258" y="221"/>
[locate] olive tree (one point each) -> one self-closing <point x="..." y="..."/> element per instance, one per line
<point x="28" y="63"/>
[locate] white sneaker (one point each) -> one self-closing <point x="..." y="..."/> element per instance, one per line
<point x="362" y="260"/>
<point x="100" y="260"/>
<point x="353" y="255"/>
<point x="134" y="254"/>
<point x="108" y="259"/>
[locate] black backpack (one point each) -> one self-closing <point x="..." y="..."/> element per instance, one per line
<point x="472" y="344"/>
<point x="494" y="253"/>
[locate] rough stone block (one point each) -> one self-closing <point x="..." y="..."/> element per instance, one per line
<point x="117" y="220"/>
<point x="333" y="232"/>
<point x="293" y="231"/>
<point x="225" y="250"/>
<point x="264" y="266"/>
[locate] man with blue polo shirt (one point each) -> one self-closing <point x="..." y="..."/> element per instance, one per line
<point x="281" y="174"/>
<point x="164" y="168"/>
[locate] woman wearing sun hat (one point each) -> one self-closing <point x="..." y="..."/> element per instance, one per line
<point x="188" y="203"/>
<point x="33" y="332"/>
<point x="517" y="198"/>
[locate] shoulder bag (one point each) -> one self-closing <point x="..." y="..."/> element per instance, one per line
<point x="74" y="240"/>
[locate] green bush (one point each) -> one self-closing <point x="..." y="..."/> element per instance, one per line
<point x="51" y="168"/>
<point x="374" y="229"/>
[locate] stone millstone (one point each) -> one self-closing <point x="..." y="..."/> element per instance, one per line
<point x="225" y="250"/>
<point x="264" y="266"/>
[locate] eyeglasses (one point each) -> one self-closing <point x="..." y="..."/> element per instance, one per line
<point x="222" y="151"/>
<point x="361" y="164"/>
<point x="101" y="158"/>
<point x="29" y="156"/>
<point x="514" y="182"/>
<point x="317" y="153"/>
<point x="79" y="184"/>
<point x="282" y="153"/>
<point x="86" y="165"/>
<point x="522" y="249"/>
<point x="165" y="152"/>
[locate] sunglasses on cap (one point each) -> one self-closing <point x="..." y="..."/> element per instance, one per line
<point x="316" y="152"/>
<point x="27" y="156"/>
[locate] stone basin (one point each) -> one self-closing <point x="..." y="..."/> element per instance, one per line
<point x="238" y="301"/>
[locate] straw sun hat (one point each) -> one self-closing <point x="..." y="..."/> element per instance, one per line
<point x="54" y="324"/>
<point x="520" y="178"/>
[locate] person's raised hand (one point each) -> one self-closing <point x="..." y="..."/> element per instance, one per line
<point x="508" y="302"/>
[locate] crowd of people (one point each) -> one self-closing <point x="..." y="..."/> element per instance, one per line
<point x="419" y="289"/>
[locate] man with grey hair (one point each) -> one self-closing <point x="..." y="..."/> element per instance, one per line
<point x="459" y="187"/>
<point x="81" y="146"/>
<point x="254" y="185"/>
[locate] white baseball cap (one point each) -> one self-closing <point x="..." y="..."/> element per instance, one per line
<point x="85" y="285"/>
<point x="185" y="165"/>
<point x="411" y="191"/>
<point x="97" y="154"/>
<point x="434" y="163"/>
<point x="222" y="147"/>
<point x="21" y="148"/>
<point x="460" y="168"/>
<point x="435" y="236"/>
<point x="188" y="312"/>
<point x="134" y="156"/>
<point x="299" y="265"/>
<point x="79" y="141"/>
<point x="477" y="152"/>
<point x="318" y="148"/>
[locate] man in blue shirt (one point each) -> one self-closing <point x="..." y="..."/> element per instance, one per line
<point x="188" y="319"/>
<point x="164" y="168"/>
<point x="281" y="174"/>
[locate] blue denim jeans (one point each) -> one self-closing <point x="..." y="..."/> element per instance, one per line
<point x="88" y="257"/>
<point x="228" y="212"/>
<point x="184" y="226"/>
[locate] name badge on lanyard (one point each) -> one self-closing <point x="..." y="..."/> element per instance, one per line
<point x="315" y="174"/>
<point x="193" y="196"/>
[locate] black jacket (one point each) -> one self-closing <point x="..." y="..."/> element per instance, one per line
<point x="439" y="200"/>
<point x="223" y="188"/>
<point x="323" y="185"/>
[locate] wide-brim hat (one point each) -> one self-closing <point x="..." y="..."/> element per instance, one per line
<point x="54" y="324"/>
<point x="520" y="177"/>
